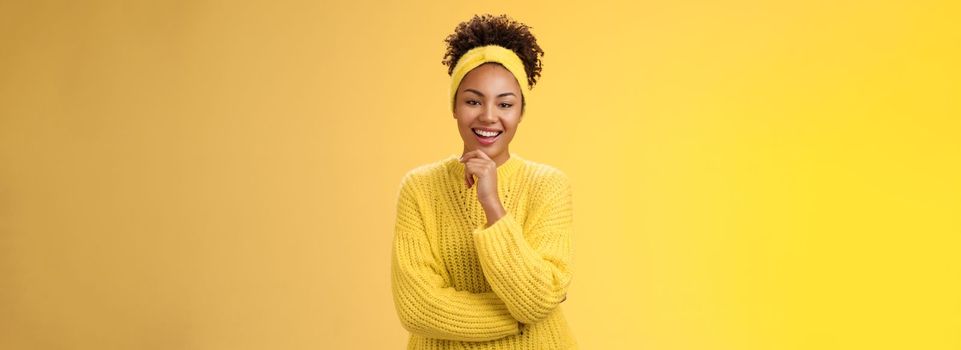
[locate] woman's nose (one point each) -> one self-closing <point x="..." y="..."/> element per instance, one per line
<point x="488" y="115"/>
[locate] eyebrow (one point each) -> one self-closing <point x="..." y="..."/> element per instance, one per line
<point x="482" y="95"/>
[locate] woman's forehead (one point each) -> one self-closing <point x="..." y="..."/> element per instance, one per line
<point x="490" y="79"/>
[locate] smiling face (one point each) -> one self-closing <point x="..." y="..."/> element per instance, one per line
<point x="488" y="109"/>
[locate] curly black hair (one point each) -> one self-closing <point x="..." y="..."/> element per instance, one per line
<point x="499" y="30"/>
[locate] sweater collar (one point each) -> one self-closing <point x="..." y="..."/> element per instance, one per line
<point x="504" y="171"/>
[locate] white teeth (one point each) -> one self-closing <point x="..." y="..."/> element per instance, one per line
<point x="485" y="133"/>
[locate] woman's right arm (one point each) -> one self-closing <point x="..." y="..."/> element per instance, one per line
<point x="424" y="302"/>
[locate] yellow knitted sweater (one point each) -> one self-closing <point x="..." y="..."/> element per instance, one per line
<point x="460" y="285"/>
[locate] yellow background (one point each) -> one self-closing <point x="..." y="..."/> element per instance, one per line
<point x="223" y="175"/>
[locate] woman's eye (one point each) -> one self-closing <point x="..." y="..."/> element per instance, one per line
<point x="506" y="105"/>
<point x="471" y="102"/>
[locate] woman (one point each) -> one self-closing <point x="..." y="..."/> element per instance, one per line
<point x="482" y="247"/>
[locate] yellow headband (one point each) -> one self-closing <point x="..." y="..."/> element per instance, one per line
<point x="490" y="53"/>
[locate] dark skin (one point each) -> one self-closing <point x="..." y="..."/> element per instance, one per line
<point x="488" y="97"/>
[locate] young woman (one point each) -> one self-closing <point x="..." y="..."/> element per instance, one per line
<point x="482" y="247"/>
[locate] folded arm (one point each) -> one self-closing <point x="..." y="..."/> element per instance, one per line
<point x="529" y="266"/>
<point x="424" y="302"/>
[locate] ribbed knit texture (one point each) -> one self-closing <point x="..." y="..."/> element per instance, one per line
<point x="458" y="284"/>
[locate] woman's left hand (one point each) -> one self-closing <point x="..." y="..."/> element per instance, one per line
<point x="477" y="163"/>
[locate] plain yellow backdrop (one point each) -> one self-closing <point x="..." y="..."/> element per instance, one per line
<point x="223" y="175"/>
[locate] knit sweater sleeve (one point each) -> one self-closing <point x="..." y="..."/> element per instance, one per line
<point x="424" y="301"/>
<point x="529" y="266"/>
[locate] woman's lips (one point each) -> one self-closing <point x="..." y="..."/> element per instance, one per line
<point x="486" y="141"/>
